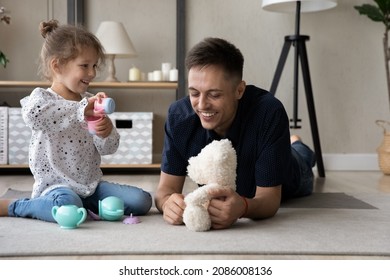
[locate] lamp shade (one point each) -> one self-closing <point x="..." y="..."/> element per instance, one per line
<point x="115" y="40"/>
<point x="289" y="6"/>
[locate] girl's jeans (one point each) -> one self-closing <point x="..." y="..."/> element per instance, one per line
<point x="136" y="201"/>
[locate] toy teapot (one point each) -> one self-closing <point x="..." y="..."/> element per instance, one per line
<point x="69" y="216"/>
<point x="111" y="208"/>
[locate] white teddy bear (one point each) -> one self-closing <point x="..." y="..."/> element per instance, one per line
<point x="214" y="167"/>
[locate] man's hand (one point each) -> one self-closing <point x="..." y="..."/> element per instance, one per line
<point x="225" y="207"/>
<point x="173" y="209"/>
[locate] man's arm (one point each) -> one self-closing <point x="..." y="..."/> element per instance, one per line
<point x="169" y="199"/>
<point x="265" y="204"/>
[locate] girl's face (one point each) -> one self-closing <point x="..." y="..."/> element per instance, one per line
<point x="76" y="74"/>
<point x="213" y="97"/>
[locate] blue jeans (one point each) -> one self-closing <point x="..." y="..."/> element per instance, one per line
<point x="306" y="160"/>
<point x="136" y="201"/>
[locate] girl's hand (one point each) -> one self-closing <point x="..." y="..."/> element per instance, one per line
<point x="89" y="110"/>
<point x="99" y="96"/>
<point x="104" y="127"/>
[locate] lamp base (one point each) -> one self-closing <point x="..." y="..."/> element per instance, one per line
<point x="111" y="79"/>
<point x="111" y="70"/>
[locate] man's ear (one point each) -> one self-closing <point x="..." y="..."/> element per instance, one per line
<point x="240" y="89"/>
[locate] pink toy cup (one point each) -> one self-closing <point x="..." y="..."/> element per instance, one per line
<point x="91" y="123"/>
<point x="105" y="106"/>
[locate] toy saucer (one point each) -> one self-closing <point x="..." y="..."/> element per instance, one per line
<point x="131" y="220"/>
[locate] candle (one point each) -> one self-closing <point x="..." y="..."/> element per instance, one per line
<point x="150" y="76"/>
<point x="165" y="68"/>
<point x="134" y="74"/>
<point x="157" y="75"/>
<point x="173" y="75"/>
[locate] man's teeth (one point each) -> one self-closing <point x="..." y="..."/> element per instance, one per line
<point x="208" y="114"/>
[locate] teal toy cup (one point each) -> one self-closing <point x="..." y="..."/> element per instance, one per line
<point x="111" y="208"/>
<point x="69" y="216"/>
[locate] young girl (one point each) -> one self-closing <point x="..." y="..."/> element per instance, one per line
<point x="64" y="157"/>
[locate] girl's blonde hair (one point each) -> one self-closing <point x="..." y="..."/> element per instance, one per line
<point x="65" y="43"/>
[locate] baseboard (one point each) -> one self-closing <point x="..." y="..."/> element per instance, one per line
<point x="339" y="162"/>
<point x="351" y="162"/>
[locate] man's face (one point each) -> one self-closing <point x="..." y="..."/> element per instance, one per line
<point x="214" y="97"/>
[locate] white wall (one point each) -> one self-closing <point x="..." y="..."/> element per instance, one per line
<point x="345" y="56"/>
<point x="345" y="59"/>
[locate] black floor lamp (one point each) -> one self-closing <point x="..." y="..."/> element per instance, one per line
<point x="300" y="54"/>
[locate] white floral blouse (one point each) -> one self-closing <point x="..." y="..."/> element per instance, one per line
<point x="62" y="152"/>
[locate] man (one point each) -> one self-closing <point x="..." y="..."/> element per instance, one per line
<point x="270" y="165"/>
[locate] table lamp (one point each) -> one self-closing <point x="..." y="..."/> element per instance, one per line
<point x="116" y="43"/>
<point x="298" y="41"/>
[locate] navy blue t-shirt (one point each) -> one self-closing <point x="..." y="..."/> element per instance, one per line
<point x="259" y="133"/>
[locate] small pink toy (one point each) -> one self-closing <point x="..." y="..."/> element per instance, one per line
<point x="93" y="215"/>
<point x="91" y="123"/>
<point x="131" y="220"/>
<point x="105" y="106"/>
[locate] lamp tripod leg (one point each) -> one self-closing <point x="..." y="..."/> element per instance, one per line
<point x="295" y="120"/>
<point x="279" y="68"/>
<point x="311" y="107"/>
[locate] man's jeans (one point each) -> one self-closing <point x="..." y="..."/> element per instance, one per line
<point x="306" y="160"/>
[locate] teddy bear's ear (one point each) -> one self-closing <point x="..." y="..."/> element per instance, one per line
<point x="216" y="163"/>
<point x="195" y="170"/>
